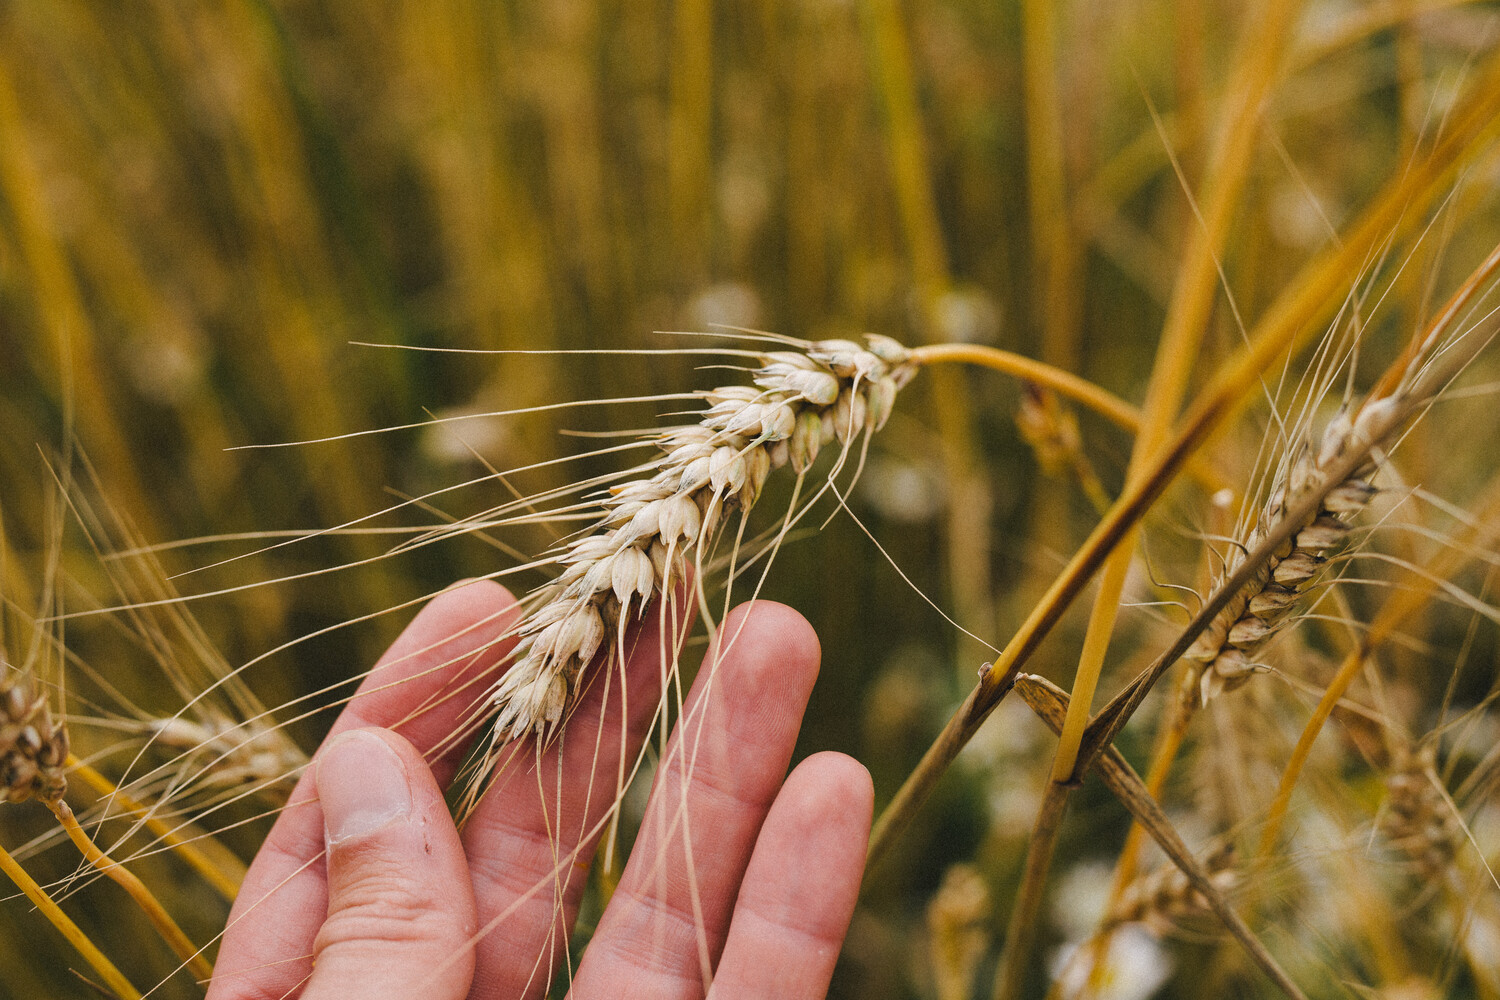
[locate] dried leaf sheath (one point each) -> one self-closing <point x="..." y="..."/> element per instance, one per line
<point x="652" y="529"/>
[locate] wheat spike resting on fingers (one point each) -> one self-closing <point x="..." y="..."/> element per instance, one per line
<point x="654" y="528"/>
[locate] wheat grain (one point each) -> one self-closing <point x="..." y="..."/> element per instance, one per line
<point x="653" y="530"/>
<point x="250" y="753"/>
<point x="958" y="930"/>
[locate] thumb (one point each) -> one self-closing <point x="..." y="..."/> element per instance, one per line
<point x="401" y="915"/>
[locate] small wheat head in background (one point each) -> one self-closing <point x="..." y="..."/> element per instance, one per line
<point x="33" y="748"/>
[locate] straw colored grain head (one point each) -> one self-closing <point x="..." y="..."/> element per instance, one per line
<point x="244" y="754"/>
<point x="1418" y="819"/>
<point x="33" y="749"/>
<point x="1265" y="605"/>
<point x="958" y="926"/>
<point x="1164" y="900"/>
<point x="652" y="530"/>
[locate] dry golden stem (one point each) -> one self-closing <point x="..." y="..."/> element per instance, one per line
<point x="1169" y="743"/>
<point x="911" y="174"/>
<point x="1394" y="412"/>
<point x="1364" y="21"/>
<point x="891" y="59"/>
<point x="191" y="955"/>
<point x="1020" y="934"/>
<point x="689" y="165"/>
<point x="1055" y="249"/>
<point x="1288" y="321"/>
<point x="1080" y="390"/>
<point x="60" y="302"/>
<point x="1142" y="158"/>
<point x="224" y="871"/>
<point x="1106" y="404"/>
<point x="1102" y="730"/>
<point x="1170" y="735"/>
<point x="113" y="977"/>
<point x="1187" y="318"/>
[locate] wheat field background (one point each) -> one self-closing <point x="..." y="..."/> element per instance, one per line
<point x="209" y="211"/>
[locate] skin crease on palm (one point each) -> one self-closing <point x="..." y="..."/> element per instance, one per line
<point x="742" y="880"/>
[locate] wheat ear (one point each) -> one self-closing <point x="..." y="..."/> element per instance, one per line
<point x="1165" y="898"/>
<point x="1225" y="650"/>
<point x="33" y="754"/>
<point x="33" y="749"/>
<point x="654" y="529"/>
<point x="1418" y="818"/>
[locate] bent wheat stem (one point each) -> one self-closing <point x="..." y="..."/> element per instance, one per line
<point x="191" y="955"/>
<point x="113" y="977"/>
<point x="1064" y="383"/>
<point x="1374" y="423"/>
<point x="1182" y="333"/>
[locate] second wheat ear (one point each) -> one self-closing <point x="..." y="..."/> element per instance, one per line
<point x="33" y="758"/>
<point x="33" y="748"/>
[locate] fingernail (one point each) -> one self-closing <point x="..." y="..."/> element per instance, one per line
<point x="361" y="784"/>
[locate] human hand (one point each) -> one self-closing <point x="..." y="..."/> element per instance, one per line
<point x="737" y="875"/>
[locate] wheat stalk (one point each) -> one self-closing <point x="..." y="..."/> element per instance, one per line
<point x="1285" y="324"/>
<point x="1050" y="704"/>
<point x="33" y="758"/>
